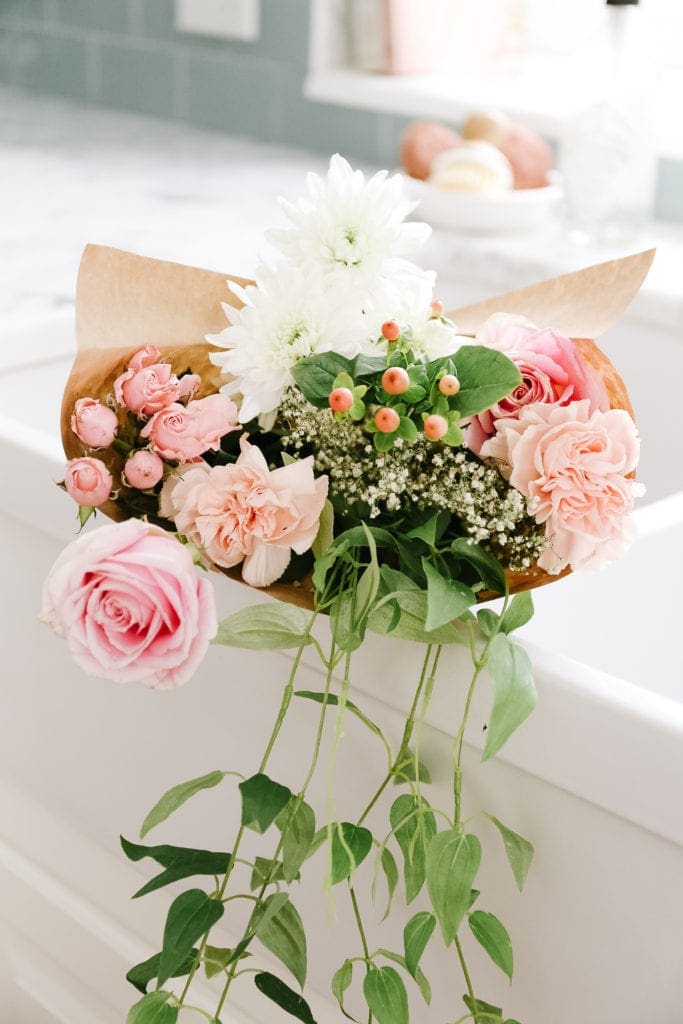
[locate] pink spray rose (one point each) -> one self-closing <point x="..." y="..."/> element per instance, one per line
<point x="88" y="481"/>
<point x="183" y="433"/>
<point x="143" y="469"/>
<point x="149" y="385"/>
<point x="573" y="466"/>
<point x="552" y="370"/>
<point x="93" y="423"/>
<point x="131" y="605"/>
<point x="247" y="512"/>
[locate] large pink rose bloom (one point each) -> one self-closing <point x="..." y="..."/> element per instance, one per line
<point x="247" y="512"/>
<point x="182" y="433"/>
<point x="573" y="466"/>
<point x="552" y="370"/>
<point x="148" y="385"/>
<point x="131" y="605"/>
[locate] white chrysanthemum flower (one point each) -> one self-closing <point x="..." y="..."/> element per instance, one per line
<point x="352" y="231"/>
<point x="411" y="306"/>
<point x="286" y="317"/>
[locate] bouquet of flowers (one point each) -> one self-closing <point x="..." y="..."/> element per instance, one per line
<point x="346" y="446"/>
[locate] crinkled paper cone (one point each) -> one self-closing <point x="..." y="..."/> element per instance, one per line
<point x="125" y="301"/>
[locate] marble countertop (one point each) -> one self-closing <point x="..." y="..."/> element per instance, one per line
<point x="71" y="175"/>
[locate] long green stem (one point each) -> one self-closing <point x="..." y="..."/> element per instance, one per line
<point x="466" y="973"/>
<point x="363" y="937"/>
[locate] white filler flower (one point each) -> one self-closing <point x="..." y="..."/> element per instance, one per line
<point x="286" y="317"/>
<point x="352" y="230"/>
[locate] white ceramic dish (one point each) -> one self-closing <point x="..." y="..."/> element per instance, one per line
<point x="519" y="210"/>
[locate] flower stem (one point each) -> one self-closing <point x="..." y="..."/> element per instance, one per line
<point x="363" y="937"/>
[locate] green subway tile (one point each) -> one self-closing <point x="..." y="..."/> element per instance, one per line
<point x="50" y="64"/>
<point x="156" y="17"/>
<point x="109" y="15"/>
<point x="137" y="79"/>
<point x="232" y="94"/>
<point x="24" y="10"/>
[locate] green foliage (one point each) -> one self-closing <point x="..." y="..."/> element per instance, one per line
<point x="340" y="982"/>
<point x="265" y="627"/>
<point x="298" y="830"/>
<point x="489" y="570"/>
<point x="178" y="861"/>
<point x="315" y="376"/>
<point x="405" y="770"/>
<point x="520" y="852"/>
<point x="332" y="701"/>
<point x="519" y="612"/>
<point x="452" y="864"/>
<point x="141" y="974"/>
<point x="488" y="623"/>
<point x="283" y="934"/>
<point x="482" y="1007"/>
<point x="412" y="624"/>
<point x="262" y="801"/>
<point x="190" y="916"/>
<point x="514" y="693"/>
<point x="325" y="536"/>
<point x="386" y="995"/>
<point x="416" y="935"/>
<point x="216" y="959"/>
<point x="485" y="376"/>
<point x="266" y="871"/>
<point x="419" y="977"/>
<point x="492" y="936"/>
<point x="354" y="839"/>
<point x="153" y="1009"/>
<point x="176" y="797"/>
<point x="414" y="825"/>
<point x="284" y="997"/>
<point x="446" y="599"/>
<point x="389" y="867"/>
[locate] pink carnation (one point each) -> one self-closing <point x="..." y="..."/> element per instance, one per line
<point x="88" y="481"/>
<point x="552" y="370"/>
<point x="131" y="605"/>
<point x="93" y="423"/>
<point x="149" y="385"/>
<point x="183" y="433"/>
<point x="573" y="467"/>
<point x="247" y="512"/>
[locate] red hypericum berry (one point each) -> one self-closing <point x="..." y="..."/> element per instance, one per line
<point x="391" y="330"/>
<point x="395" y="380"/>
<point x="437" y="308"/>
<point x="449" y="385"/>
<point x="435" y="427"/>
<point x="387" y="420"/>
<point x="340" y="400"/>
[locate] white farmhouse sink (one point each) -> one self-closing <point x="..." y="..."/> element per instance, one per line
<point x="593" y="778"/>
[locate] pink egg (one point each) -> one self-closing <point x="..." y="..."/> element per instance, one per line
<point x="530" y="157"/>
<point x="421" y="142"/>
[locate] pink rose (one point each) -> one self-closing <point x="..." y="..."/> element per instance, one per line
<point x="93" y="423"/>
<point x="183" y="433"/>
<point x="573" y="466"/>
<point x="88" y="481"/>
<point x="143" y="470"/>
<point x="131" y="605"/>
<point x="247" y="512"/>
<point x="149" y="385"/>
<point x="552" y="370"/>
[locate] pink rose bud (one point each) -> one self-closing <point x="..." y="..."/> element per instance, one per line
<point x="88" y="481"/>
<point x="143" y="470"/>
<point x="93" y="423"/>
<point x="131" y="605"/>
<point x="148" y="385"/>
<point x="181" y="434"/>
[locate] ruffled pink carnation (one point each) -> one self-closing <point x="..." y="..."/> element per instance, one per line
<point x="573" y="465"/>
<point x="247" y="512"/>
<point x="148" y="385"/>
<point x="552" y="370"/>
<point x="182" y="433"/>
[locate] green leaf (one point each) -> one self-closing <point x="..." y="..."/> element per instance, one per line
<point x="386" y="995"/>
<point x="288" y="1000"/>
<point x="176" y="797"/>
<point x="325" y="535"/>
<point x="492" y="936"/>
<point x="488" y="622"/>
<point x="283" y="934"/>
<point x="407" y="430"/>
<point x="368" y="366"/>
<point x="474" y="896"/>
<point x="340" y="982"/>
<point x="190" y="916"/>
<point x="297" y="837"/>
<point x="84" y="513"/>
<point x="153" y="1009"/>
<point x="514" y="693"/>
<point x="431" y="530"/>
<point x="179" y="862"/>
<point x="390" y="869"/>
<point x="216" y="959"/>
<point x="265" y="627"/>
<point x="446" y="599"/>
<point x="262" y="801"/>
<point x="383" y="442"/>
<point x="315" y="376"/>
<point x="413" y="395"/>
<point x="490" y="571"/>
<point x="414" y="825"/>
<point x="485" y="376"/>
<point x="452" y="864"/>
<point x="419" y="977"/>
<point x="141" y="974"/>
<point x="358" y="840"/>
<point x="405" y="768"/>
<point x="480" y="1006"/>
<point x="333" y="701"/>
<point x="416" y="935"/>
<point x="520" y="851"/>
<point x="266" y="870"/>
<point x="519" y="612"/>
<point x="412" y="624"/>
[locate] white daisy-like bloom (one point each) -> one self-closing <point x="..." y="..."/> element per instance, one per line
<point x="352" y="231"/>
<point x="285" y="317"/>
<point x="411" y="306"/>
